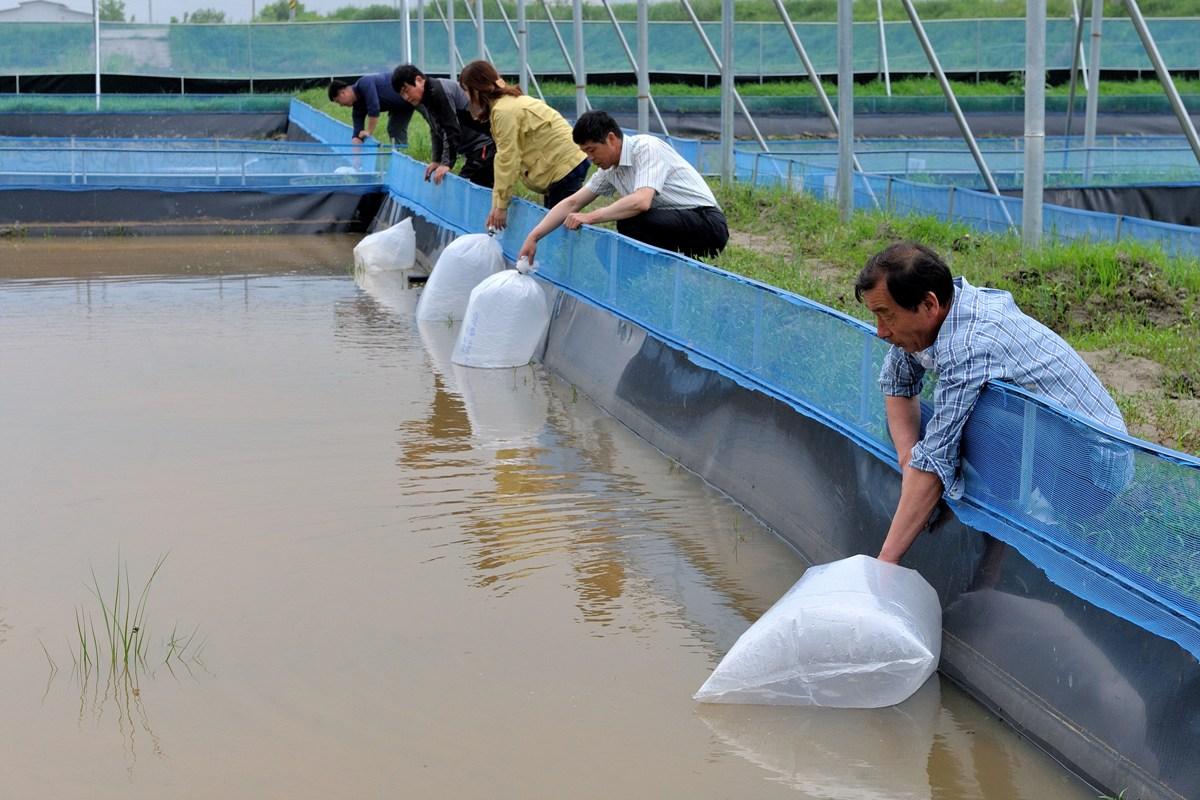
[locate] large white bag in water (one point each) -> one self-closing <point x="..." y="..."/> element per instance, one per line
<point x="506" y="319"/>
<point x="392" y="249"/>
<point x="462" y="265"/>
<point x="857" y="633"/>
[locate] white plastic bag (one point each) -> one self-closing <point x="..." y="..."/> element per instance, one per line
<point x="392" y="249"/>
<point x="857" y="633"/>
<point x="506" y="319"/>
<point x="462" y="265"/>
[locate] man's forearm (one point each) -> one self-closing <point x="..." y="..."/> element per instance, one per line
<point x="904" y="424"/>
<point x="371" y="123"/>
<point x="554" y="217"/>
<point x="919" y="493"/>
<point x="628" y="206"/>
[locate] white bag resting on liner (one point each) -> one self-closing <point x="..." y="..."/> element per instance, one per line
<point x="857" y="633"/>
<point x="462" y="265"/>
<point x="506" y="318"/>
<point x="394" y="248"/>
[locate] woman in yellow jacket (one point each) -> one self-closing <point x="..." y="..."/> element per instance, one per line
<point x="533" y="141"/>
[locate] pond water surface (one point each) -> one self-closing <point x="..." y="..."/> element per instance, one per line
<point x="385" y="576"/>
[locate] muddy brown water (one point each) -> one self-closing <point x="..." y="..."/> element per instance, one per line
<point x="401" y="578"/>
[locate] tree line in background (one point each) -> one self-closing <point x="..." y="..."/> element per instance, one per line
<point x="746" y="10"/>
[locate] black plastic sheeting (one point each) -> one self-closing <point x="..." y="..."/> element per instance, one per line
<point x="136" y="211"/>
<point x="194" y="125"/>
<point x="1177" y="203"/>
<point x="1111" y="701"/>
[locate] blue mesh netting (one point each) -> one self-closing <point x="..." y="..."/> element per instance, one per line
<point x="321" y="49"/>
<point x="981" y="210"/>
<point x="182" y="164"/>
<point x="1111" y="518"/>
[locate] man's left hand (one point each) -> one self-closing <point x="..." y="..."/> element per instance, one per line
<point x="577" y="219"/>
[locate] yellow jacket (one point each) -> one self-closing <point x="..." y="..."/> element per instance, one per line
<point x="533" y="144"/>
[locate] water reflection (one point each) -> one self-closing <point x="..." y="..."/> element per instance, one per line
<point x="560" y="489"/>
<point x="842" y="754"/>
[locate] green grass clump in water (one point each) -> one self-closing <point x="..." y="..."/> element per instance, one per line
<point x="122" y="643"/>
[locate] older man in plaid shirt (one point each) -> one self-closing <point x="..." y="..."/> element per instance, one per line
<point x="968" y="336"/>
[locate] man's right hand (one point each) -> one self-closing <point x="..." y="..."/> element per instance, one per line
<point x="429" y="168"/>
<point x="355" y="140"/>
<point x="528" y="250"/>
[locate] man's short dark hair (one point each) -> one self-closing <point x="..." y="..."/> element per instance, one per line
<point x="405" y="75"/>
<point x="595" y="126"/>
<point x="336" y="86"/>
<point x="911" y="270"/>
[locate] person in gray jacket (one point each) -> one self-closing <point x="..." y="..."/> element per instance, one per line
<point x="452" y="129"/>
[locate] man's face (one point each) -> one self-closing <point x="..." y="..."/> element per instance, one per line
<point x="909" y="330"/>
<point x="345" y="96"/>
<point x="604" y="154"/>
<point x="414" y="93"/>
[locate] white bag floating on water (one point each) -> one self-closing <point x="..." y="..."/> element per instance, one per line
<point x="462" y="265"/>
<point x="857" y="633"/>
<point x="392" y="249"/>
<point x="506" y="319"/>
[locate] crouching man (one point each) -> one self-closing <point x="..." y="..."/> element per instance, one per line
<point x="664" y="202"/>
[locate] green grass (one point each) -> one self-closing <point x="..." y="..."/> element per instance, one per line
<point x="905" y="87"/>
<point x="112" y="637"/>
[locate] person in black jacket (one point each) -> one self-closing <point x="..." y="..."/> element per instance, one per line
<point x="452" y="129"/>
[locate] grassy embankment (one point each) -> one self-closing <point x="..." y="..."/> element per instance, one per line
<point x="1132" y="309"/>
<point x="904" y="87"/>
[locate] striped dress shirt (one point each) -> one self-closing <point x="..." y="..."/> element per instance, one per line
<point x="647" y="161"/>
<point x="985" y="337"/>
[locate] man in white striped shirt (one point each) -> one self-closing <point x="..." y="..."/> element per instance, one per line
<point x="664" y="202"/>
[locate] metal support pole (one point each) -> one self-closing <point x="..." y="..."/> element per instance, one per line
<point x="737" y="96"/>
<point x="405" y="31"/>
<point x="1035" y="122"/>
<point x="96" y="44"/>
<point x="512" y="34"/>
<point x="952" y="101"/>
<point x="487" y="53"/>
<point x="421" y="34"/>
<point x="632" y="61"/>
<point x="883" y="59"/>
<point x="1164" y="77"/>
<point x="522" y="47"/>
<point x="562" y="46"/>
<point x="727" y="22"/>
<point x="1077" y="65"/>
<point x="452" y="39"/>
<point x="643" y="68"/>
<point x="581" y="101"/>
<point x="479" y="31"/>
<point x="845" y="167"/>
<point x="1093" y="94"/>
<point x="813" y="78"/>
